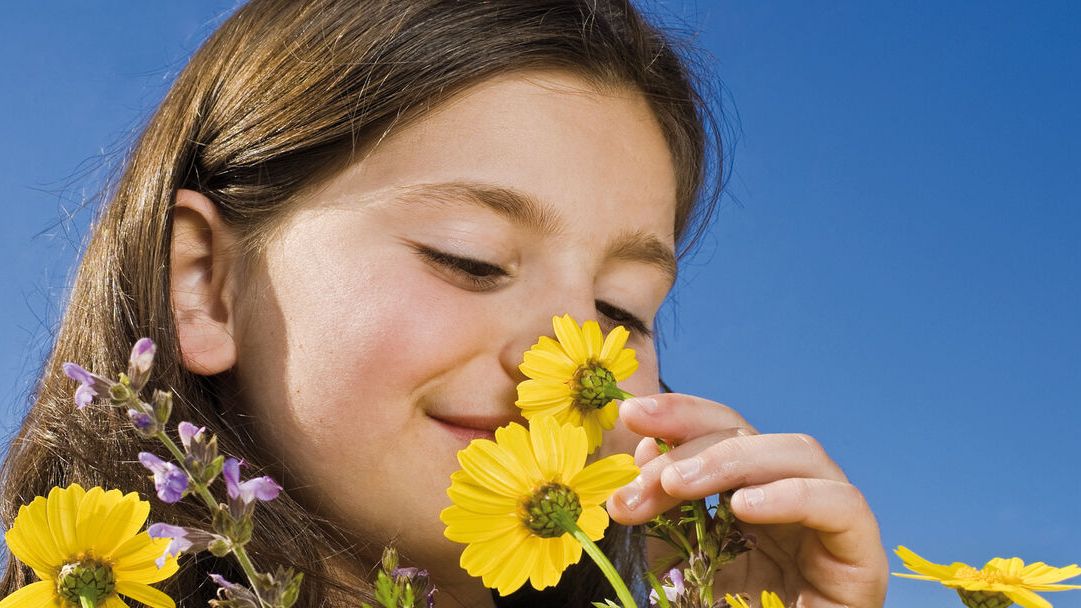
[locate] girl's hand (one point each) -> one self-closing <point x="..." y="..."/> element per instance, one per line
<point x="817" y="541"/>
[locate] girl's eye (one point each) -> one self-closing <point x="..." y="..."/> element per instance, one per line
<point x="477" y="274"/>
<point x="622" y="317"/>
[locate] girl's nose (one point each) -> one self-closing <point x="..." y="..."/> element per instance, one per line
<point x="532" y="322"/>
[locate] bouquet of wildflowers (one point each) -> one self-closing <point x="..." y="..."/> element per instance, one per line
<point x="529" y="494"/>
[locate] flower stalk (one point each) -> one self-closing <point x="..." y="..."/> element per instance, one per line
<point x="598" y="557"/>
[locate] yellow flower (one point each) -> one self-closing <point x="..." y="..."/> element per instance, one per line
<point x="511" y="493"/>
<point x="769" y="600"/>
<point x="999" y="583"/>
<point x="86" y="544"/>
<point x="575" y="378"/>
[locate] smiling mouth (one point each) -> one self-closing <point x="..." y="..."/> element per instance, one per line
<point x="468" y="428"/>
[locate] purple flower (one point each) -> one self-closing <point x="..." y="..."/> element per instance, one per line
<point x="142" y="356"/>
<point x="189" y="431"/>
<point x="673" y="591"/>
<point x="260" y="488"/>
<point x="143" y="422"/>
<point x="179" y="544"/>
<point x="169" y="479"/>
<point x="90" y="385"/>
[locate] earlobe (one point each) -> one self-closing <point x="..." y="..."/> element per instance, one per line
<point x="200" y="284"/>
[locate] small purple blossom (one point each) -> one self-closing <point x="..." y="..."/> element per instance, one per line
<point x="90" y="385"/>
<point x="143" y="422"/>
<point x="673" y="591"/>
<point x="169" y="479"/>
<point x="189" y="431"/>
<point x="180" y="542"/>
<point x="259" y="488"/>
<point x="142" y="356"/>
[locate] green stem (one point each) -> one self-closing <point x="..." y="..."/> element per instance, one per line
<point x="86" y="602"/>
<point x="705" y="543"/>
<point x="609" y="571"/>
<point x="204" y="493"/>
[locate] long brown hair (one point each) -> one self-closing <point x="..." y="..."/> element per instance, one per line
<point x="283" y="95"/>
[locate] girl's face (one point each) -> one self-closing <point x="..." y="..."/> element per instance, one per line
<point x="383" y="329"/>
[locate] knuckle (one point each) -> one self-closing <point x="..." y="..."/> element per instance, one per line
<point x="812" y="444"/>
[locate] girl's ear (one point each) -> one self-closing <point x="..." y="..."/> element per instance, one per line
<point x="200" y="283"/>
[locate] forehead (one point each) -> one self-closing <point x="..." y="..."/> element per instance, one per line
<point x="596" y="158"/>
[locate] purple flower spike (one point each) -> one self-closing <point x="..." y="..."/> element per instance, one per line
<point x="189" y="431"/>
<point x="260" y="488"/>
<point x="169" y="479"/>
<point x="179" y="544"/>
<point x="90" y="385"/>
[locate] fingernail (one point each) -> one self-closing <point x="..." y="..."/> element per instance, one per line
<point x="753" y="497"/>
<point x="631" y="494"/>
<point x="688" y="469"/>
<point x="647" y="404"/>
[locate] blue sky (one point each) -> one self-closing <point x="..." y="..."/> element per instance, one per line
<point x="896" y="270"/>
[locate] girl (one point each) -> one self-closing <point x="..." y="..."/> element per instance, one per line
<point x="342" y="228"/>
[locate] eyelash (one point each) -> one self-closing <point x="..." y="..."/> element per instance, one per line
<point x="482" y="276"/>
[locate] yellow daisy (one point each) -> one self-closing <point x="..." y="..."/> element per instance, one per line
<point x="769" y="600"/>
<point x="1000" y="583"/>
<point x="86" y="547"/>
<point x="574" y="378"/>
<point x="511" y="493"/>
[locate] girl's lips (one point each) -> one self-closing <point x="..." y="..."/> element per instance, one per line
<point x="468" y="428"/>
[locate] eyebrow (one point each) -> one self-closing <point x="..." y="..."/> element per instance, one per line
<point x="525" y="210"/>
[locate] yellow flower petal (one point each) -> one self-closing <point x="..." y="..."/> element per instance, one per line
<point x="41" y="594"/>
<point x="570" y="336"/>
<point x="1027" y="599"/>
<point x="145" y="594"/>
<point x="134" y="559"/>
<point x="31" y="542"/>
<point x="123" y="520"/>
<point x="736" y="601"/>
<point x="593" y="521"/>
<point x="771" y="600"/>
<point x="547" y="449"/>
<point x="918" y="564"/>
<point x="515" y="439"/>
<point x="493" y="467"/>
<point x="613" y="344"/>
<point x="593" y="338"/>
<point x="595" y="483"/>
<point x="62" y="507"/>
<point x="480" y="500"/>
<point x="542" y="363"/>
<point x="509" y="579"/>
<point x="546" y="571"/>
<point x="624" y="364"/>
<point x="465" y="527"/>
<point x="482" y="558"/>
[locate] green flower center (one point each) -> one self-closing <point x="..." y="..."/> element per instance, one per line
<point x="594" y="387"/>
<point x="984" y="599"/>
<point x="87" y="579"/>
<point x="549" y="504"/>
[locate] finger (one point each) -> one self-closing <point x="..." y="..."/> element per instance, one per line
<point x="746" y="460"/>
<point x="644" y="498"/>
<point x="835" y="509"/>
<point x="646" y="451"/>
<point x="678" y="418"/>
